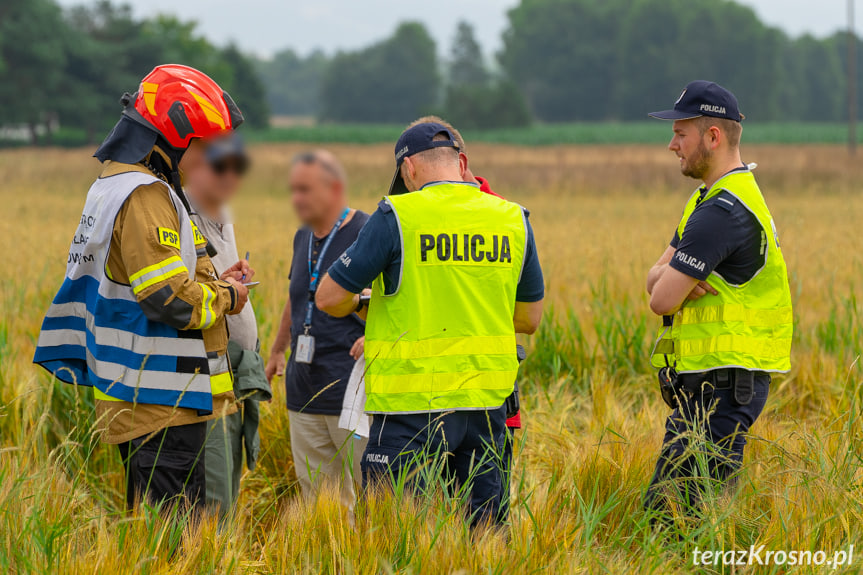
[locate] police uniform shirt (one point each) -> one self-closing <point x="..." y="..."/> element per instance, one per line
<point x="319" y="387"/>
<point x="378" y="251"/>
<point x="721" y="236"/>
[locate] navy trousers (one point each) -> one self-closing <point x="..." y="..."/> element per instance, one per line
<point x="506" y="476"/>
<point x="463" y="448"/>
<point x="713" y="414"/>
<point x="168" y="466"/>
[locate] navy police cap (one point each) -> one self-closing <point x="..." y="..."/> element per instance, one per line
<point x="701" y="98"/>
<point x="230" y="146"/>
<point x="418" y="139"/>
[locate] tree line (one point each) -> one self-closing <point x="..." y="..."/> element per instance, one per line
<point x="560" y="61"/>
<point x="395" y="80"/>
<point x="70" y="67"/>
<point x="574" y="60"/>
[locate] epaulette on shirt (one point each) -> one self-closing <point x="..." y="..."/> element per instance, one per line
<point x="385" y="206"/>
<point x="725" y="200"/>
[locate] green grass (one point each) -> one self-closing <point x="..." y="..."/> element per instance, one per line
<point x="586" y="133"/>
<point x="648" y="132"/>
<point x="592" y="412"/>
<point x="584" y="515"/>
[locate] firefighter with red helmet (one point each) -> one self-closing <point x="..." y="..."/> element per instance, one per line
<point x="140" y="316"/>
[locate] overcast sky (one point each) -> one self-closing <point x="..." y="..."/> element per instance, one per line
<point x="265" y="26"/>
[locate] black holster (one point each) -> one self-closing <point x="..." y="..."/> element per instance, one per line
<point x="512" y="403"/>
<point x="744" y="386"/>
<point x="669" y="386"/>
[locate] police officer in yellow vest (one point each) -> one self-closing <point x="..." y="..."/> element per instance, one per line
<point x="455" y="276"/>
<point x="721" y="288"/>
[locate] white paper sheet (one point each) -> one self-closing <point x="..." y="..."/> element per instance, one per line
<point x="353" y="416"/>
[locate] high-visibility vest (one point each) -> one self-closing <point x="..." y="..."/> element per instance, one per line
<point x="95" y="332"/>
<point x="445" y="339"/>
<point x="747" y="326"/>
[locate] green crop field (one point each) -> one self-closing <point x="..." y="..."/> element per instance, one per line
<point x="648" y="132"/>
<point x="592" y="411"/>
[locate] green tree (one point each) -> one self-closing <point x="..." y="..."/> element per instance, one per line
<point x="643" y="65"/>
<point x="293" y="83"/>
<point x="179" y="42"/>
<point x="467" y="64"/>
<point x="246" y="88"/>
<point x="32" y="51"/>
<point x="497" y="104"/>
<point x="563" y="53"/>
<point x="820" y="81"/>
<point x="392" y="81"/>
<point x="107" y="53"/>
<point x="617" y="59"/>
<point x="839" y="43"/>
<point x="475" y="98"/>
<point x="663" y="48"/>
<point x="745" y="60"/>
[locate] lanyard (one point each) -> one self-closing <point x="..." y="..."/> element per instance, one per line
<point x="315" y="273"/>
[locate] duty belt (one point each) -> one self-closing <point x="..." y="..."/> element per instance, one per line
<point x="717" y="378"/>
<point x="740" y="381"/>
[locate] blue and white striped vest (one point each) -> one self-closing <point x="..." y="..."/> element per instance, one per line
<point x="95" y="332"/>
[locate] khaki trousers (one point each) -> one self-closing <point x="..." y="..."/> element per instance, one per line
<point x="324" y="453"/>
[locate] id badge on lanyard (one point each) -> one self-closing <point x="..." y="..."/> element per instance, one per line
<point x="305" y="352"/>
<point x="305" y="349"/>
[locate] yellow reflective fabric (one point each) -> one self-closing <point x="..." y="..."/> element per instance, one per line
<point x="221" y="383"/>
<point x="445" y="340"/>
<point x="737" y="313"/>
<point x="412" y="393"/>
<point x="748" y="326"/>
<point x="767" y="349"/>
<point x="156" y="273"/>
<point x="404" y="349"/>
<point x="98" y="394"/>
<point x="208" y="315"/>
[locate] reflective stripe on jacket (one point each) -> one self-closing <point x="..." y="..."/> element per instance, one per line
<point x="96" y="332"/>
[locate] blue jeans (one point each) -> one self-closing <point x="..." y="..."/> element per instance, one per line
<point x="724" y="426"/>
<point x="462" y="447"/>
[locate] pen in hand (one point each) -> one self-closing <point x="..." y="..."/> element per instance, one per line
<point x="248" y="254"/>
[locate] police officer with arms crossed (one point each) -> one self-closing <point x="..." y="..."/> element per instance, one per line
<point x="455" y="275"/>
<point x="722" y="290"/>
<point x="141" y="314"/>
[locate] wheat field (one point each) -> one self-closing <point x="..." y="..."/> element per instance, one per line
<point x="593" y="416"/>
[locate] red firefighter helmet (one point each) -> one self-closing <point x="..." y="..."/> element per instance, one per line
<point x="182" y="103"/>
